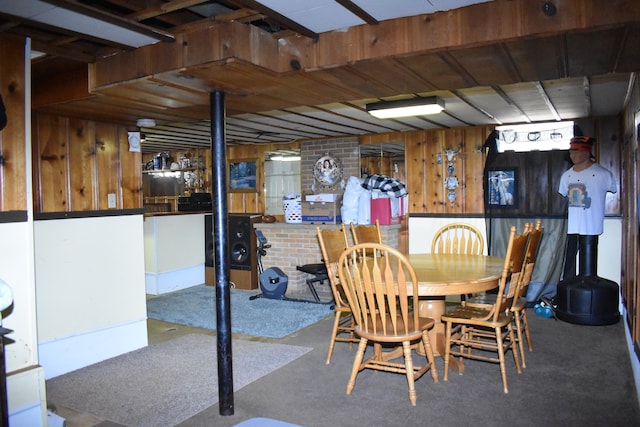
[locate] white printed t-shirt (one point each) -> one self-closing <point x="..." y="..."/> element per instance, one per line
<point x="587" y="191"/>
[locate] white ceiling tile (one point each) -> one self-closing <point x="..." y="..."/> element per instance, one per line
<point x="327" y="15"/>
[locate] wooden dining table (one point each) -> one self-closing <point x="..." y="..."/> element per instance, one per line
<point x="441" y="275"/>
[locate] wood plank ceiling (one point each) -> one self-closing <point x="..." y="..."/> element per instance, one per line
<point x="556" y="75"/>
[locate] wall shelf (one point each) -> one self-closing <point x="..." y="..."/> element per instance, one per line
<point x="152" y="171"/>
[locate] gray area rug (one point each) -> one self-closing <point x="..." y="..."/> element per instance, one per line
<point x="166" y="383"/>
<point x="195" y="306"/>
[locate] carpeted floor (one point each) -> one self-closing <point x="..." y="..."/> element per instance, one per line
<point x="166" y="383"/>
<point x="262" y="317"/>
<point x="577" y="376"/>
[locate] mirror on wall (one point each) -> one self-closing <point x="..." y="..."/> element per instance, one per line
<point x="281" y="178"/>
<point x="383" y="159"/>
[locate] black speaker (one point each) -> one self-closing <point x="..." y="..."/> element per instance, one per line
<point x="242" y="248"/>
<point x="242" y="241"/>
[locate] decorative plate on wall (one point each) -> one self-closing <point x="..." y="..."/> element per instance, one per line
<point x="328" y="171"/>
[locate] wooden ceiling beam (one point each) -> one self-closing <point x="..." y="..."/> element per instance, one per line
<point x="358" y="11"/>
<point x="547" y="100"/>
<point x="164" y="8"/>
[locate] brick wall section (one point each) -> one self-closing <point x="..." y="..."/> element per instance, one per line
<point x="297" y="244"/>
<point x="345" y="149"/>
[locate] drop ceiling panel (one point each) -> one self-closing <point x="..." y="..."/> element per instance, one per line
<point x="568" y="96"/>
<point x="528" y="98"/>
<point x="608" y="95"/>
<point x="629" y="52"/>
<point x="363" y="119"/>
<point x="353" y="118"/>
<point x="467" y="114"/>
<point x="594" y="52"/>
<point x="538" y="59"/>
<point x="486" y="65"/>
<point x="271" y="123"/>
<point x="486" y="99"/>
<point x="65" y="19"/>
<point x="434" y="69"/>
<point x="382" y="9"/>
<point x="318" y="15"/>
<point x="327" y="15"/>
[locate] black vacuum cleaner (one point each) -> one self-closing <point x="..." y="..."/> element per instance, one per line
<point x="273" y="281"/>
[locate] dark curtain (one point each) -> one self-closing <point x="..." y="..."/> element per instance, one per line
<point x="536" y="197"/>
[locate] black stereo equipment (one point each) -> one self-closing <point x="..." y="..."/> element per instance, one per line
<point x="195" y="202"/>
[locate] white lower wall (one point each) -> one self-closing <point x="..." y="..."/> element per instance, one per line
<point x="422" y="230"/>
<point x="25" y="379"/>
<point x="173" y="252"/>
<point x="90" y="290"/>
<point x="26" y="398"/>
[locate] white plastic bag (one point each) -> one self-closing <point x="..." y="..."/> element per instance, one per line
<point x="364" y="210"/>
<point x="351" y="200"/>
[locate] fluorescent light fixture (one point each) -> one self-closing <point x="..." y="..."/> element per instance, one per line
<point x="406" y="107"/>
<point x="284" y="158"/>
<point x="145" y="123"/>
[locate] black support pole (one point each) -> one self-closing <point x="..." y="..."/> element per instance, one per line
<point x="220" y="234"/>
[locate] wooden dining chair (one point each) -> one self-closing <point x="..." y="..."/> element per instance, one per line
<point x="520" y="300"/>
<point x="332" y="243"/>
<point x="379" y="292"/>
<point x="458" y="238"/>
<point x="521" y="281"/>
<point x="472" y="327"/>
<point x="366" y="233"/>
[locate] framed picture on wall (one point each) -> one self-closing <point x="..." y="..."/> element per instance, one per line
<point x="243" y="176"/>
<point x="502" y="187"/>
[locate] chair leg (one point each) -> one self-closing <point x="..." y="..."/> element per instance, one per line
<point x="447" y="351"/>
<point x="516" y="359"/>
<point x="525" y="325"/>
<point x="334" y="333"/>
<point x="503" y="367"/>
<point x="519" y="338"/>
<point x="428" y="350"/>
<point x="357" y="363"/>
<point x="408" y="367"/>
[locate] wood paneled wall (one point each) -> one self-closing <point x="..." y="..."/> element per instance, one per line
<point x="630" y="188"/>
<point x="426" y="168"/>
<point x="13" y="185"/>
<point x="78" y="163"/>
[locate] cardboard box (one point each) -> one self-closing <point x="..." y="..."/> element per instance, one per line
<point x="321" y="213"/>
<point x="381" y="210"/>
<point x="322" y="197"/>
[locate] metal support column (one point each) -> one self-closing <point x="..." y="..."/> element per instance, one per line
<point x="220" y="227"/>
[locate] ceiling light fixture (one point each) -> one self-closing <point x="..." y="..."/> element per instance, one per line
<point x="145" y="123"/>
<point x="406" y="107"/>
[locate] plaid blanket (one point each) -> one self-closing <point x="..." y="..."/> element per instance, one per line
<point x="385" y="184"/>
